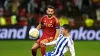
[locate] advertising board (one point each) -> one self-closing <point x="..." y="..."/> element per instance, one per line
<point x="21" y="33"/>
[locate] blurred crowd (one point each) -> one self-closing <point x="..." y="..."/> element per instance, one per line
<point x="28" y="12"/>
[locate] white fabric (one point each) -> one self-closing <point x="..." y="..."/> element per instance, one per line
<point x="69" y="46"/>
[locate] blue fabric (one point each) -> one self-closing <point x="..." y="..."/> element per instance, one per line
<point x="57" y="27"/>
<point x="48" y="54"/>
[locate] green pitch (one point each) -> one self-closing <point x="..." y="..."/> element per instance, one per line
<point x="23" y="48"/>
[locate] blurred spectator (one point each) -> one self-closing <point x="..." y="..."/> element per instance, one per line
<point x="32" y="6"/>
<point x="1" y="11"/>
<point x="59" y="8"/>
<point x="89" y="22"/>
<point x="85" y="6"/>
<point x="52" y="2"/>
<point x="22" y="12"/>
<point x="96" y="4"/>
<point x="23" y="17"/>
<point x="31" y="20"/>
<point x="37" y="17"/>
<point x="7" y="6"/>
<point x="42" y="7"/>
<point x="35" y="8"/>
<point x="69" y="8"/>
<point x="24" y="3"/>
<point x="11" y="6"/>
<point x="98" y="14"/>
<point x="23" y="21"/>
<point x="63" y="20"/>
<point x="14" y="20"/>
<point x="83" y="3"/>
<point x="2" y="21"/>
<point x="8" y="19"/>
<point x="97" y="22"/>
<point x="72" y="22"/>
<point x="15" y="6"/>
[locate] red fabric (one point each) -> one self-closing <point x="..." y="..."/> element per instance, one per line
<point x="43" y="50"/>
<point x="22" y="12"/>
<point x="44" y="37"/>
<point x="49" y="28"/>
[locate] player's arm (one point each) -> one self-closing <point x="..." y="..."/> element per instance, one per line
<point x="57" y="28"/>
<point x="39" y="26"/>
<point x="72" y="51"/>
<point x="51" y="43"/>
<point x="65" y="50"/>
<point x="57" y="33"/>
<point x="71" y="47"/>
<point x="54" y="41"/>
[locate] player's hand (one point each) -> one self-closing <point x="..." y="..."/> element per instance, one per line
<point x="43" y="44"/>
<point x="51" y="39"/>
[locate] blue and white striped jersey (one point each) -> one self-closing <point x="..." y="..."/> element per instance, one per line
<point x="61" y="44"/>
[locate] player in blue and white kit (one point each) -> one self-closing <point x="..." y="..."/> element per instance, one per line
<point x="63" y="42"/>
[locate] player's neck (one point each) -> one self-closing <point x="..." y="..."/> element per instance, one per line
<point x="50" y="17"/>
<point x="66" y="35"/>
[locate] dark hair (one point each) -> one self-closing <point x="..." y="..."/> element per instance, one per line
<point x="66" y="26"/>
<point x="49" y="6"/>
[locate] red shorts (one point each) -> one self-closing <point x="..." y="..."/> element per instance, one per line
<point x="43" y="38"/>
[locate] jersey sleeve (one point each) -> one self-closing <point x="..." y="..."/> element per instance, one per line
<point x="57" y="24"/>
<point x="41" y="20"/>
<point x="65" y="50"/>
<point x="72" y="51"/>
<point x="71" y="47"/>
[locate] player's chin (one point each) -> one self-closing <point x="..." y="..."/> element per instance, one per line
<point x="50" y="15"/>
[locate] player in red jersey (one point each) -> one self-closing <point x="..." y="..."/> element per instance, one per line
<point x="50" y="30"/>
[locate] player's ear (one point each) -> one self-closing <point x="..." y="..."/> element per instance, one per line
<point x="46" y="11"/>
<point x="53" y="11"/>
<point x="66" y="30"/>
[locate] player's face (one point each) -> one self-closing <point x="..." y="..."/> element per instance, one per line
<point x="64" y="31"/>
<point x="50" y="11"/>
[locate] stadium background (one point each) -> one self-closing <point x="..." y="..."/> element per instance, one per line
<point x="18" y="16"/>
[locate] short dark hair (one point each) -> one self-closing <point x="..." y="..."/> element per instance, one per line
<point x="50" y="6"/>
<point x="66" y="26"/>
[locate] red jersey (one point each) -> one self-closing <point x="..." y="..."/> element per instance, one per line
<point x="49" y="26"/>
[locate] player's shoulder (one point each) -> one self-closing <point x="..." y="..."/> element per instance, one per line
<point x="60" y="35"/>
<point x="56" y="19"/>
<point x="44" y="16"/>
